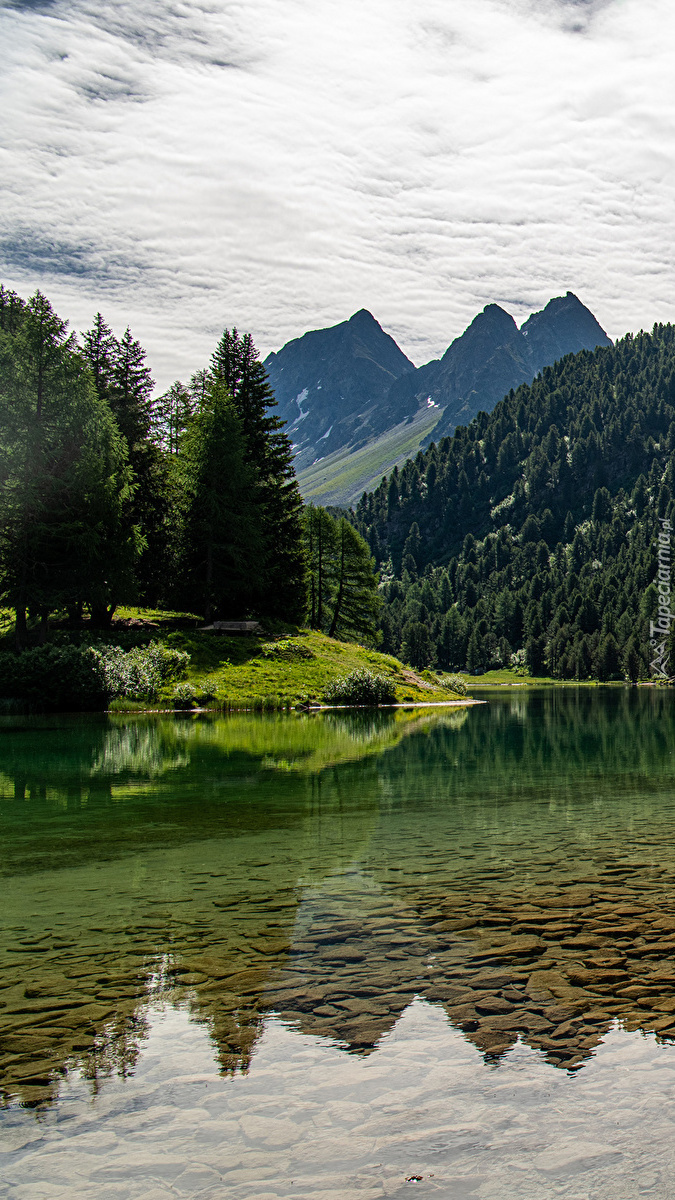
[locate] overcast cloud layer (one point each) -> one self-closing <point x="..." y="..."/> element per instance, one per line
<point x="279" y="164"/>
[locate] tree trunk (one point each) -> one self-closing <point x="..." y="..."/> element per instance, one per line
<point x="20" y="628"/>
<point x="101" y="615"/>
<point x="312" y="578"/>
<point x="75" y="612"/>
<point x="319" y="551"/>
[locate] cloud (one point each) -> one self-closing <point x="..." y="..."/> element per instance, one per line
<point x="279" y="164"/>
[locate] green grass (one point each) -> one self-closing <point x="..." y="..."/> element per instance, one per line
<point x="266" y="673"/>
<point x="342" y="477"/>
<point x="242" y="677"/>
<point x="507" y="677"/>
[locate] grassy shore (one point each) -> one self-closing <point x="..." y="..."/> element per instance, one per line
<point x="276" y="670"/>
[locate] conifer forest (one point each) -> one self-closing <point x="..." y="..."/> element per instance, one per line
<point x="526" y="539"/>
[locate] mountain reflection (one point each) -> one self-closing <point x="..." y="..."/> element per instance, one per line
<point x="514" y="863"/>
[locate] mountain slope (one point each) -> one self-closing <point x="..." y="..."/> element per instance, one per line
<point x="331" y="385"/>
<point x="533" y="529"/>
<point x="565" y="326"/>
<point x="342" y="477"/>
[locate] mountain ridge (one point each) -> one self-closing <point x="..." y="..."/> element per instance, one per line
<point x="349" y="386"/>
<point x="331" y="384"/>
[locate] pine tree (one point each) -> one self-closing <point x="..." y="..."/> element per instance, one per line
<point x="170" y="416"/>
<point x="101" y="349"/>
<point x="609" y="659"/>
<point x="417" y="648"/>
<point x="127" y="384"/>
<point x="321" y="538"/>
<point x="474" y="658"/>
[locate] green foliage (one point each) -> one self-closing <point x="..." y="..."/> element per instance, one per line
<point x="343" y="595"/>
<point x="139" y="673"/>
<point x="281" y="582"/>
<point x="65" y="482"/>
<point x="455" y="683"/>
<point x="184" y="696"/>
<point x="107" y="496"/>
<point x="53" y="678"/>
<point x="124" y="383"/>
<point x="220" y="540"/>
<point x="86" y="678"/>
<point x="361" y="687"/>
<point x="285" y="649"/>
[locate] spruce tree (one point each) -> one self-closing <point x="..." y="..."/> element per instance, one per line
<point x="123" y="380"/>
<point x="321" y="538"/>
<point x="269" y="454"/>
<point x="171" y="413"/>
<point x="100" y="348"/>
<point x="221" y="543"/>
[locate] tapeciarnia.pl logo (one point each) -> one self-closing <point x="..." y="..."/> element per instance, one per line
<point x="660" y="628"/>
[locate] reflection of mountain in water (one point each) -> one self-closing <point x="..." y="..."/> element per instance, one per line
<point x="517" y="868"/>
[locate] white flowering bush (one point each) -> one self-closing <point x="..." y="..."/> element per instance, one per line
<point x="184" y="695"/>
<point x="137" y="674"/>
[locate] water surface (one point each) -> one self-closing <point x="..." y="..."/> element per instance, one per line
<point x="320" y="955"/>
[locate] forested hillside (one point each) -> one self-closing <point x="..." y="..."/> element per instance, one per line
<point x="109" y="497"/>
<point x="532" y="529"/>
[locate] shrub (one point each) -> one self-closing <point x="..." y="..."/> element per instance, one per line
<point x="184" y="695"/>
<point x="361" y="687"/>
<point x="285" y="649"/>
<point x="52" y="678"/>
<point x="139" y="674"/>
<point x="86" y="678"/>
<point x="456" y="684"/>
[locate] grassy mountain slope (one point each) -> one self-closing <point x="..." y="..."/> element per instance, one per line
<point x="342" y="477"/>
<point x="346" y="391"/>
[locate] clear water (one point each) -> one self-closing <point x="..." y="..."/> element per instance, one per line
<point x="341" y="955"/>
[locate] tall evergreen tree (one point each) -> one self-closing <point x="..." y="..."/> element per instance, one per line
<point x="123" y="380"/>
<point x="269" y="454"/>
<point x="170" y="416"/>
<point x="101" y="348"/>
<point x="64" y="478"/>
<point x="221" y="545"/>
<point x="356" y="603"/>
<point x="321" y="537"/>
<point x="131" y="385"/>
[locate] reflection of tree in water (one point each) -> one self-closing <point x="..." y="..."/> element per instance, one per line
<point x="145" y="750"/>
<point x="116" y="1049"/>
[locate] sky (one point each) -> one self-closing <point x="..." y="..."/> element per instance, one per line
<point x="187" y="165"/>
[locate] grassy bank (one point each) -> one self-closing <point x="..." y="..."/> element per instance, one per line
<point x="270" y="672"/>
<point x="279" y="668"/>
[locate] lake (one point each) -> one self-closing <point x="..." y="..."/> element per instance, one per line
<point x="340" y="955"/>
